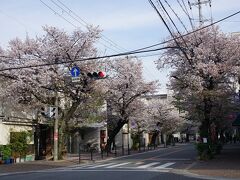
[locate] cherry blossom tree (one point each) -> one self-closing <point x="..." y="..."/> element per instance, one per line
<point x="125" y="86"/>
<point x="35" y="87"/>
<point x="164" y="118"/>
<point x="203" y="67"/>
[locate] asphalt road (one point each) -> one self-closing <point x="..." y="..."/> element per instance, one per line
<point x="154" y="165"/>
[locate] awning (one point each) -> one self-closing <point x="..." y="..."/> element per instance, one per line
<point x="236" y="122"/>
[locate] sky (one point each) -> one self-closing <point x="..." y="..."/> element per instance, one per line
<point x="128" y="24"/>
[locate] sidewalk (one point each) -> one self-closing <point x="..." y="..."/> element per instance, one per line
<point x="226" y="164"/>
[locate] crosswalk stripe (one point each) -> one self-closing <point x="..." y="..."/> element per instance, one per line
<point x="82" y="166"/>
<point x="164" y="165"/>
<point x="117" y="165"/>
<point x="101" y="165"/>
<point x="148" y="165"/>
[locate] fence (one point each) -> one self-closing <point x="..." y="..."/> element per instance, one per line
<point x="93" y="153"/>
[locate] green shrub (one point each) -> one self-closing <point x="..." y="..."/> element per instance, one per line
<point x="216" y="148"/>
<point x="204" y="151"/>
<point x="207" y="151"/>
<point x="6" y="151"/>
<point x="135" y="138"/>
<point x="19" y="143"/>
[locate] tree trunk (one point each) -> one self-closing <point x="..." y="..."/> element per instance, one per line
<point x="139" y="138"/>
<point x="187" y="137"/>
<point x="162" y="139"/>
<point x="62" y="129"/>
<point x="154" y="137"/>
<point x="222" y="138"/>
<point x="61" y="142"/>
<point x="205" y="126"/>
<point x="113" y="133"/>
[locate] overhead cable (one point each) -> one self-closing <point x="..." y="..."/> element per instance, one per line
<point x="84" y="23"/>
<point x="192" y="32"/>
<point x="172" y="22"/>
<point x="136" y="51"/>
<point x="56" y="13"/>
<point x="163" y="20"/>
<point x="88" y="59"/>
<point x="176" y="16"/>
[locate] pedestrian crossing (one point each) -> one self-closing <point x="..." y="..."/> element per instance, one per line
<point x="164" y="165"/>
<point x="121" y="165"/>
<point x="118" y="165"/>
<point x="147" y="165"/>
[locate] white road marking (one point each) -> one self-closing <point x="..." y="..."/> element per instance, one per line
<point x="117" y="165"/>
<point x="138" y="163"/>
<point x="148" y="165"/>
<point x="103" y="170"/>
<point x="174" y="159"/>
<point x="81" y="166"/>
<point x="101" y="165"/>
<point x="164" y="165"/>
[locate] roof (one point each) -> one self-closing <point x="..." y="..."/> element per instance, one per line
<point x="236" y="122"/>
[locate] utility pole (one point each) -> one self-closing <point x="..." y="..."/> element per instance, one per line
<point x="128" y="138"/>
<point x="55" y="136"/>
<point x="199" y="4"/>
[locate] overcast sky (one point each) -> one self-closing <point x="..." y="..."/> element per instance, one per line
<point x="131" y="24"/>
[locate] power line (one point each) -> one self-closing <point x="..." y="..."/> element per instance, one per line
<point x="184" y="8"/>
<point x="186" y="12"/>
<point x="137" y="51"/>
<point x="176" y="16"/>
<point x="159" y="14"/>
<point x="56" y="13"/>
<point x="172" y="22"/>
<point x="211" y="14"/>
<point x="165" y="16"/>
<point x="149" y="55"/>
<point x="84" y="23"/>
<point x="192" y="32"/>
<point x="199" y="4"/>
<point x="89" y="59"/>
<point x="231" y="21"/>
<point x="190" y="7"/>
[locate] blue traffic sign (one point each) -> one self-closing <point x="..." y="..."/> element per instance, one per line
<point x="75" y="71"/>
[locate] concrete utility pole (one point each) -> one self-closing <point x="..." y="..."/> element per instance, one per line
<point x="55" y="136"/>
<point x="199" y="4"/>
<point x="128" y="132"/>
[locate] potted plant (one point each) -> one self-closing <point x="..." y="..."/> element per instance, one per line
<point x="19" y="145"/>
<point x="6" y="154"/>
<point x="1" y="154"/>
<point x="16" y="156"/>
